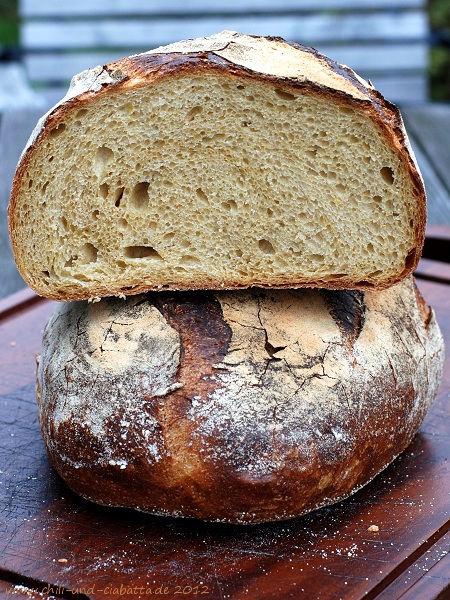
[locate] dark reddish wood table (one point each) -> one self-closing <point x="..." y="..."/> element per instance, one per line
<point x="55" y="545"/>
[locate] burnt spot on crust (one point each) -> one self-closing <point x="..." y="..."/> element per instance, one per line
<point x="205" y="338"/>
<point x="198" y="319"/>
<point x="347" y="308"/>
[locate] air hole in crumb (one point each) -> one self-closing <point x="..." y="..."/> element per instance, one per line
<point x="46" y="273"/>
<point x="104" y="189"/>
<point x="266" y="247"/>
<point x="141" y="252"/>
<point x="81" y="113"/>
<point x="103" y="155"/>
<point x="30" y="184"/>
<point x="127" y="108"/>
<point x="334" y="276"/>
<point x="58" y="130"/>
<point x="188" y="259"/>
<point x="123" y="224"/>
<point x="240" y="87"/>
<point x="285" y="95"/>
<point x="201" y="194"/>
<point x="95" y="214"/>
<point x="387" y="174"/>
<point x="230" y="205"/>
<point x="63" y="222"/>
<point x="139" y="196"/>
<point x="70" y="261"/>
<point x="378" y="199"/>
<point x="89" y="253"/>
<point x="193" y="113"/>
<point x="118" y="195"/>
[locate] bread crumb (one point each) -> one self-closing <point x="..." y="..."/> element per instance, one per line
<point x="373" y="528"/>
<point x="62" y="560"/>
<point x="13" y="344"/>
<point x="94" y="299"/>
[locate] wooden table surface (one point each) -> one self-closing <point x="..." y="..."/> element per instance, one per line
<point x="56" y="545"/>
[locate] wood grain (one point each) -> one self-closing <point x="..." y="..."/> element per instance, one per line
<point x="384" y="41"/>
<point x="50" y="8"/>
<point x="429" y="127"/>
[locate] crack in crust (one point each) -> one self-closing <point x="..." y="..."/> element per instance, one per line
<point x="269" y="404"/>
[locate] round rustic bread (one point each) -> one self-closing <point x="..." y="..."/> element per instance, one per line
<point x="235" y="406"/>
<point x="217" y="163"/>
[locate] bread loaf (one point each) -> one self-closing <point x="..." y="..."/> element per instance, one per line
<point x="217" y="163"/>
<point x="235" y="406"/>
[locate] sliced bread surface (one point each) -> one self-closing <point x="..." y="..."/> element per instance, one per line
<point x="219" y="163"/>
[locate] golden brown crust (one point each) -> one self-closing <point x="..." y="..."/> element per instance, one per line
<point x="239" y="407"/>
<point x="234" y="56"/>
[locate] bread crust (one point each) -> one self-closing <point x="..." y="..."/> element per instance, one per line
<point x="235" y="56"/>
<point x="241" y="406"/>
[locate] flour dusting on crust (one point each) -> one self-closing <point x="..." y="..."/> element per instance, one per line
<point x="235" y="406"/>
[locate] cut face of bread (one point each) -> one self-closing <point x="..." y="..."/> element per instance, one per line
<point x="225" y="162"/>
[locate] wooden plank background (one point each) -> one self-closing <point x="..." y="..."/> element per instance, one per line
<point x="83" y="7"/>
<point x="385" y="41"/>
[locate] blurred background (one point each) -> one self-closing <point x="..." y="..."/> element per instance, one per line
<point x="402" y="46"/>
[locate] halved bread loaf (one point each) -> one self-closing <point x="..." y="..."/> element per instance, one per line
<point x="223" y="162"/>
